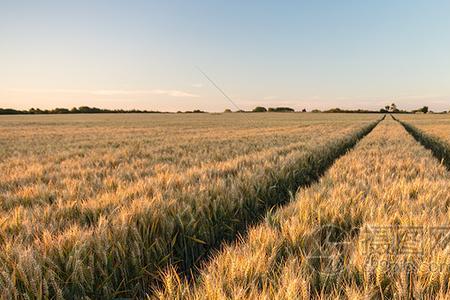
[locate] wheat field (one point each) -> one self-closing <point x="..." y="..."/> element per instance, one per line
<point x="224" y="206"/>
<point x="98" y="206"/>
<point x="370" y="201"/>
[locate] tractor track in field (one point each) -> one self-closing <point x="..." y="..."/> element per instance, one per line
<point x="302" y="179"/>
<point x="133" y="250"/>
<point x="412" y="195"/>
<point x="439" y="148"/>
<point x="193" y="270"/>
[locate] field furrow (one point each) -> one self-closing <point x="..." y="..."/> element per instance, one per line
<point x="375" y="226"/>
<point x="437" y="139"/>
<point x="437" y="125"/>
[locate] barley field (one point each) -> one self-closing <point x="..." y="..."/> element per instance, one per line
<point x="224" y="206"/>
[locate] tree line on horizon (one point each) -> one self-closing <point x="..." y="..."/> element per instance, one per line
<point x="259" y="109"/>
<point x="74" y="110"/>
<point x="387" y="109"/>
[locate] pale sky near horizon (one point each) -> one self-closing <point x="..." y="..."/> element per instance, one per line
<point x="302" y="54"/>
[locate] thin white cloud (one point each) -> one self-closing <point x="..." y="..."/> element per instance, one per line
<point x="174" y="93"/>
<point x="170" y="93"/>
<point x="48" y="91"/>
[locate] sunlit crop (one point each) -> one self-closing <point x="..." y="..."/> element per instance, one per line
<point x="374" y="227"/>
<point x="99" y="206"/>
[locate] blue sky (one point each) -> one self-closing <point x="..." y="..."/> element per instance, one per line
<point x="303" y="54"/>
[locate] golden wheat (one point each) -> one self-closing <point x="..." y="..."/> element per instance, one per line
<point x="96" y="206"/>
<point x="370" y="203"/>
<point x="433" y="124"/>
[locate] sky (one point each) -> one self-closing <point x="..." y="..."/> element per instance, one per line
<point x="147" y="54"/>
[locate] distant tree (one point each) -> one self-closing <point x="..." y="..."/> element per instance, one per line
<point x="281" y="109"/>
<point x="84" y="109"/>
<point x="9" y="111"/>
<point x="304" y="110"/>
<point x="384" y="110"/>
<point x="315" y="111"/>
<point x="334" y="110"/>
<point x="424" y="109"/>
<point x="227" y="110"/>
<point x="259" y="109"/>
<point x="61" y="111"/>
<point x="393" y="108"/>
<point x="285" y="109"/>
